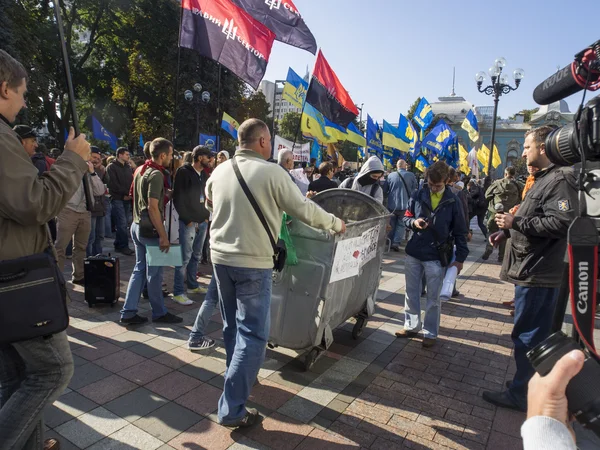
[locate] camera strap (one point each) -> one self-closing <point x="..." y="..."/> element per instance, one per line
<point x="583" y="276"/>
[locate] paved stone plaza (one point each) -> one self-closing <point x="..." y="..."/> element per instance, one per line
<point x="142" y="389"/>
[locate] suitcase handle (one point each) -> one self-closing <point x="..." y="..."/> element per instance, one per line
<point x="13" y="276"/>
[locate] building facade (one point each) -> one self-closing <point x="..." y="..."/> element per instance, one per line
<point x="273" y="92"/>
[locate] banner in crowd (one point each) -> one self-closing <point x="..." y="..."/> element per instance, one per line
<point x="312" y="124"/>
<point x="464" y="160"/>
<point x="301" y="151"/>
<point x="283" y="18"/>
<point x="423" y="114"/>
<point x="393" y="138"/>
<point x="102" y="134"/>
<point x="224" y="32"/>
<point x="294" y="89"/>
<point x="355" y="136"/>
<point x="208" y="141"/>
<point x="328" y="95"/>
<point x="374" y="145"/>
<point x="230" y="125"/>
<point x="473" y="163"/>
<point x="471" y="126"/>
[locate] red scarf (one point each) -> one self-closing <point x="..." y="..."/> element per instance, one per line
<point x="142" y="169"/>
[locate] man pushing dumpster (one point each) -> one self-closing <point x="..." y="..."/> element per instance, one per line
<point x="248" y="196"/>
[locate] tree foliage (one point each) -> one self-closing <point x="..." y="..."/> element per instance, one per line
<point x="289" y="126"/>
<point x="124" y="60"/>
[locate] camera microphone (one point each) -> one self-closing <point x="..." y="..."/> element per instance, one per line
<point x="499" y="207"/>
<point x="572" y="78"/>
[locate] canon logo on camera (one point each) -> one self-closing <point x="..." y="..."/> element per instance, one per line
<point x="584" y="277"/>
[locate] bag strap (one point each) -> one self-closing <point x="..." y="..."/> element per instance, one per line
<point x="374" y="189"/>
<point x="405" y="185"/>
<point x="252" y="201"/>
<point x="433" y="213"/>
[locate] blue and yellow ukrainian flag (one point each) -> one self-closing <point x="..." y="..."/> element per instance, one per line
<point x="423" y="114"/>
<point x="294" y="89"/>
<point x="392" y="137"/>
<point x="335" y="131"/>
<point x="315" y="152"/>
<point x="407" y="132"/>
<point x="355" y="136"/>
<point x="471" y="126"/>
<point x="230" y="125"/>
<point x="464" y="160"/>
<point x="312" y="124"/>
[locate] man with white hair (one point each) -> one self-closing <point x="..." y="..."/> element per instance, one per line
<point x="285" y="158"/>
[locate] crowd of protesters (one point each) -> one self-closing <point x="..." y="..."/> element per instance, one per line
<point x="85" y="197"/>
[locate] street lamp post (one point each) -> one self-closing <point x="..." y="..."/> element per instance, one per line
<point x="201" y="98"/>
<point x="498" y="87"/>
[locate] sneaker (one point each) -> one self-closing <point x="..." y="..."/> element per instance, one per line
<point x="428" y="342"/>
<point x="135" y="320"/>
<point x="406" y="333"/>
<point x="252" y="416"/>
<point x="79" y="282"/>
<point x="204" y="344"/>
<point x="182" y="300"/>
<point x="198" y="290"/>
<point x="51" y="444"/>
<point x="126" y="251"/>
<point x="168" y="318"/>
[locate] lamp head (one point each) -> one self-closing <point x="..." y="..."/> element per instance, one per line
<point x="205" y="97"/>
<point x="198" y="87"/>
<point x="480" y="77"/>
<point x="500" y="62"/>
<point x="188" y="95"/>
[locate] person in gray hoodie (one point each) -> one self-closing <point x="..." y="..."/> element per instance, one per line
<point x="367" y="179"/>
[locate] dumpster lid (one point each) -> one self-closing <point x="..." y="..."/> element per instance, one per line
<point x="350" y="205"/>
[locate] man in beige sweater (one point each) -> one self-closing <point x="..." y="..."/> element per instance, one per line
<point x="243" y="258"/>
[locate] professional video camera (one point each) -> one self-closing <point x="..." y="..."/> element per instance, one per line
<point x="578" y="142"/>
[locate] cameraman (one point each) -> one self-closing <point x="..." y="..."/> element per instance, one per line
<point x="33" y="373"/>
<point x="534" y="258"/>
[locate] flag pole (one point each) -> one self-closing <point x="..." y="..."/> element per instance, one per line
<point x="301" y="112"/>
<point x="172" y="167"/>
<point x="218" y="130"/>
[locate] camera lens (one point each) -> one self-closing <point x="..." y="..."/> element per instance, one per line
<point x="583" y="393"/>
<point x="562" y="146"/>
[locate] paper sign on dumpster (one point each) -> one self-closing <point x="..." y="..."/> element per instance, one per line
<point x="369" y="239"/>
<point x="346" y="261"/>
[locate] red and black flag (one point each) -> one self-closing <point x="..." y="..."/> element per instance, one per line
<point x="222" y="31"/>
<point x="283" y="18"/>
<point x="328" y="96"/>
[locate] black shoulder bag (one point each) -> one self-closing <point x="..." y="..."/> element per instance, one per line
<point x="445" y="248"/>
<point x="33" y="297"/>
<point x="279" y="248"/>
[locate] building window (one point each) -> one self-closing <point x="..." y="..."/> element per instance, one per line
<point x="513" y="152"/>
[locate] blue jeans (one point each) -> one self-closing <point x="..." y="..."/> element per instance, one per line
<point x="33" y="374"/>
<point x="206" y="311"/>
<point x="245" y="296"/>
<point x="398" y="231"/>
<point x="433" y="271"/>
<point x="143" y="274"/>
<point x="121" y="210"/>
<point x="534" y="309"/>
<point x="191" y="242"/>
<point x="96" y="237"/>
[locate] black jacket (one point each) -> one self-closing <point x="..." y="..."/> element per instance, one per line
<point x="120" y="177"/>
<point x="188" y="191"/>
<point x="449" y="220"/>
<point x="535" y="256"/>
<point x="322" y="184"/>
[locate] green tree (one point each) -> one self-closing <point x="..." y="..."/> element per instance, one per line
<point x="411" y="111"/>
<point x="289" y="126"/>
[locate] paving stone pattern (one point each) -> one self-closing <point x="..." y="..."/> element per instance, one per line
<point x="141" y="388"/>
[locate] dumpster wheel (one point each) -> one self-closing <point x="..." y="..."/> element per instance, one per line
<point x="311" y="358"/>
<point x="359" y="326"/>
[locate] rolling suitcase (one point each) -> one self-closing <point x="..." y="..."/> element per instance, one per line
<point x="102" y="280"/>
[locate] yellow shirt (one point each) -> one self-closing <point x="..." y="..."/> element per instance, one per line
<point x="435" y="198"/>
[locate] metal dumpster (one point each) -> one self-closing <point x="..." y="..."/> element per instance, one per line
<point x="336" y="277"/>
